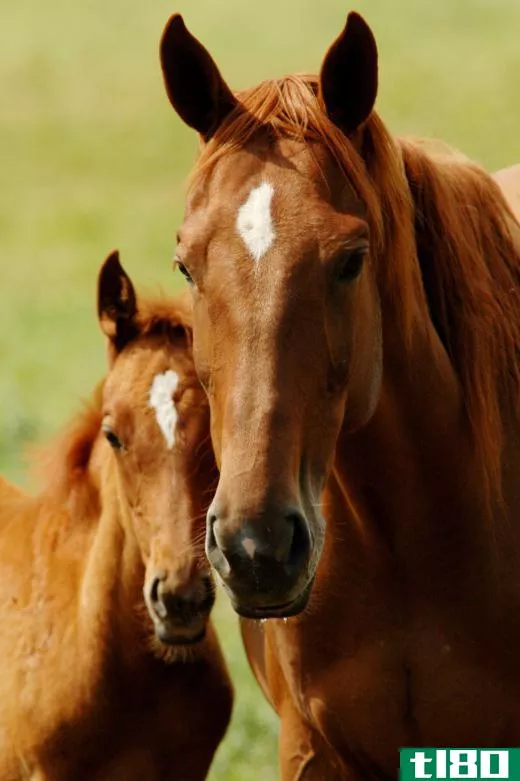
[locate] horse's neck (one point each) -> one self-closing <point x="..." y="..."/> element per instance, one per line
<point x="409" y="533"/>
<point x="111" y="585"/>
<point x="414" y="459"/>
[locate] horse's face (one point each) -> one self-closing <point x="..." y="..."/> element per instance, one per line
<point x="156" y="419"/>
<point x="287" y="343"/>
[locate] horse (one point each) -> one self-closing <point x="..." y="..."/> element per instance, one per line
<point x="509" y="181"/>
<point x="357" y="331"/>
<point x="111" y="668"/>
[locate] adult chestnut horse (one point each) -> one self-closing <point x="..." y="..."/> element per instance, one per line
<point x="357" y="328"/>
<point x="99" y="682"/>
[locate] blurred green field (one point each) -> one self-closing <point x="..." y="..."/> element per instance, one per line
<point x="92" y="158"/>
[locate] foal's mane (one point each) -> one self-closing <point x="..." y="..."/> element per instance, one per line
<point x="63" y="467"/>
<point x="441" y="235"/>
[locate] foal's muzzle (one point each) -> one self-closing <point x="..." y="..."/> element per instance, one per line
<point x="263" y="561"/>
<point x="180" y="613"/>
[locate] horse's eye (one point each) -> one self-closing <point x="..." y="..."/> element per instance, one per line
<point x="350" y="265"/>
<point x="184" y="271"/>
<point x="112" y="438"/>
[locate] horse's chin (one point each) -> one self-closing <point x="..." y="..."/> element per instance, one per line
<point x="286" y="610"/>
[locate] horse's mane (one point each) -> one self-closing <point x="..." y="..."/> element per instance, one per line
<point x="441" y="233"/>
<point x="63" y="467"/>
<point x="471" y="272"/>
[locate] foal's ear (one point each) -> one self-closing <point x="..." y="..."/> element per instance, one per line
<point x="196" y="90"/>
<point x="348" y="78"/>
<point x="116" y="303"/>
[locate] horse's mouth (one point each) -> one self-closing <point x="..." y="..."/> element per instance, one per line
<point x="285" y="610"/>
<point x="174" y="635"/>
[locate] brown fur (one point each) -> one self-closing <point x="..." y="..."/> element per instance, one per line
<point x="413" y="192"/>
<point x="363" y="376"/>
<point x="509" y="181"/>
<point x="87" y="691"/>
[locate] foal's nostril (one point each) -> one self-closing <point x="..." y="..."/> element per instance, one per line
<point x="181" y="604"/>
<point x="300" y="542"/>
<point x="155" y="598"/>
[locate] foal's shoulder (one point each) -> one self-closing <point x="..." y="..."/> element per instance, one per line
<point x="9" y="490"/>
<point x="20" y="511"/>
<point x="12" y="500"/>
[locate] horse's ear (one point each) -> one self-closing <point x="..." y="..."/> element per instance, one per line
<point x="348" y="78"/>
<point x="196" y="90"/>
<point x="116" y="303"/>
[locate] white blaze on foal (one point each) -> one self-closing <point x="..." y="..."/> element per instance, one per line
<point x="161" y="399"/>
<point x="254" y="222"/>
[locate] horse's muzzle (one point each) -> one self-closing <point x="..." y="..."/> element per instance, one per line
<point x="180" y="616"/>
<point x="264" y="563"/>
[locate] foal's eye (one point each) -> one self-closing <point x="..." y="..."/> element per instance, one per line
<point x="184" y="271"/>
<point x="112" y="438"/>
<point x="350" y="265"/>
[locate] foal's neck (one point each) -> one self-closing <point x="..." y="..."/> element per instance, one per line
<point x="111" y="604"/>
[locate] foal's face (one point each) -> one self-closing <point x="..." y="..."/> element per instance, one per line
<point x="156" y="420"/>
<point x="288" y="346"/>
<point x="287" y="334"/>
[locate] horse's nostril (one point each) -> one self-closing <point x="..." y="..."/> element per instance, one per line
<point x="216" y="554"/>
<point x="154" y="590"/>
<point x="301" y="542"/>
<point x="155" y="598"/>
<point x="211" y="542"/>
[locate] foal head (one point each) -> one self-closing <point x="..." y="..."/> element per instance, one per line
<point x="278" y="246"/>
<point x="155" y="419"/>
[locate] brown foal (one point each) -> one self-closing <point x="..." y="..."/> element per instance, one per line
<point x="111" y="670"/>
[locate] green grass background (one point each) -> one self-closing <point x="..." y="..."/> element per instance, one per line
<point x="92" y="158"/>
